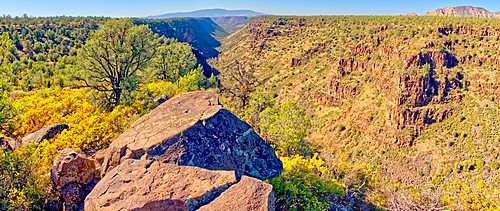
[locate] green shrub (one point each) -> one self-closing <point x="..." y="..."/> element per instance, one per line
<point x="301" y="186"/>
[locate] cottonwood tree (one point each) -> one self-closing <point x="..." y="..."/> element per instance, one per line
<point x="112" y="57"/>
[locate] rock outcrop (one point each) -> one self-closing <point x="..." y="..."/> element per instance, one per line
<point x="73" y="176"/>
<point x="153" y="185"/>
<point x="188" y="153"/>
<point x="334" y="93"/>
<point x="194" y="130"/>
<point x="464" y="11"/>
<point x="9" y="144"/>
<point x="160" y="99"/>
<point x="45" y="133"/>
<point x="308" y="55"/>
<point x="248" y="194"/>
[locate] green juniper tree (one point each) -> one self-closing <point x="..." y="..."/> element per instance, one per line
<point x="113" y="56"/>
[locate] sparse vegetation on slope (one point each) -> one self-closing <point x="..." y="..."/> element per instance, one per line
<point x="404" y="110"/>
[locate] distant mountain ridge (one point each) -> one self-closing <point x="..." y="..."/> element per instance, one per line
<point x="464" y="11"/>
<point x="209" y="13"/>
<point x="231" y="23"/>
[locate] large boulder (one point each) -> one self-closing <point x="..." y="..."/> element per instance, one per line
<point x="248" y="194"/>
<point x="45" y="133"/>
<point x="73" y="176"/>
<point x="154" y="185"/>
<point x="194" y="130"/>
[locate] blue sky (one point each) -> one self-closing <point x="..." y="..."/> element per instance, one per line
<point x="141" y="8"/>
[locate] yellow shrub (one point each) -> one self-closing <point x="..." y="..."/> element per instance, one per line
<point x="90" y="128"/>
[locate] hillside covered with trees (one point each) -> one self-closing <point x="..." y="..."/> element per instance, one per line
<point x="96" y="75"/>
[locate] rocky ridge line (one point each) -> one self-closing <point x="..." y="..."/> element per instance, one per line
<point x="464" y="11"/>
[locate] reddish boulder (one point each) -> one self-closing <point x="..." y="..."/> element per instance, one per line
<point x="73" y="176"/>
<point x="194" y="130"/>
<point x="153" y="185"/>
<point x="248" y="194"/>
<point x="45" y="133"/>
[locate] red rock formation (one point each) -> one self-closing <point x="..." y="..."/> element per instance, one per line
<point x="248" y="194"/>
<point x="194" y="130"/>
<point x="181" y="156"/>
<point x="334" y="93"/>
<point x="464" y="11"/>
<point x="154" y="185"/>
<point x="306" y="57"/>
<point x="73" y="175"/>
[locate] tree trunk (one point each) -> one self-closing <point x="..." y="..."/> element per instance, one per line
<point x="115" y="97"/>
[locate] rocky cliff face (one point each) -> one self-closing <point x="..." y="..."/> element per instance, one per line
<point x="187" y="153"/>
<point x="380" y="91"/>
<point x="417" y="74"/>
<point x="464" y="11"/>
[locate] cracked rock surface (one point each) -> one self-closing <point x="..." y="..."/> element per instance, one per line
<point x="187" y="154"/>
<point x="153" y="185"/>
<point x="194" y="130"/>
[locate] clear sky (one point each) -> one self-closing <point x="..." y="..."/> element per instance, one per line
<point x="141" y="8"/>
